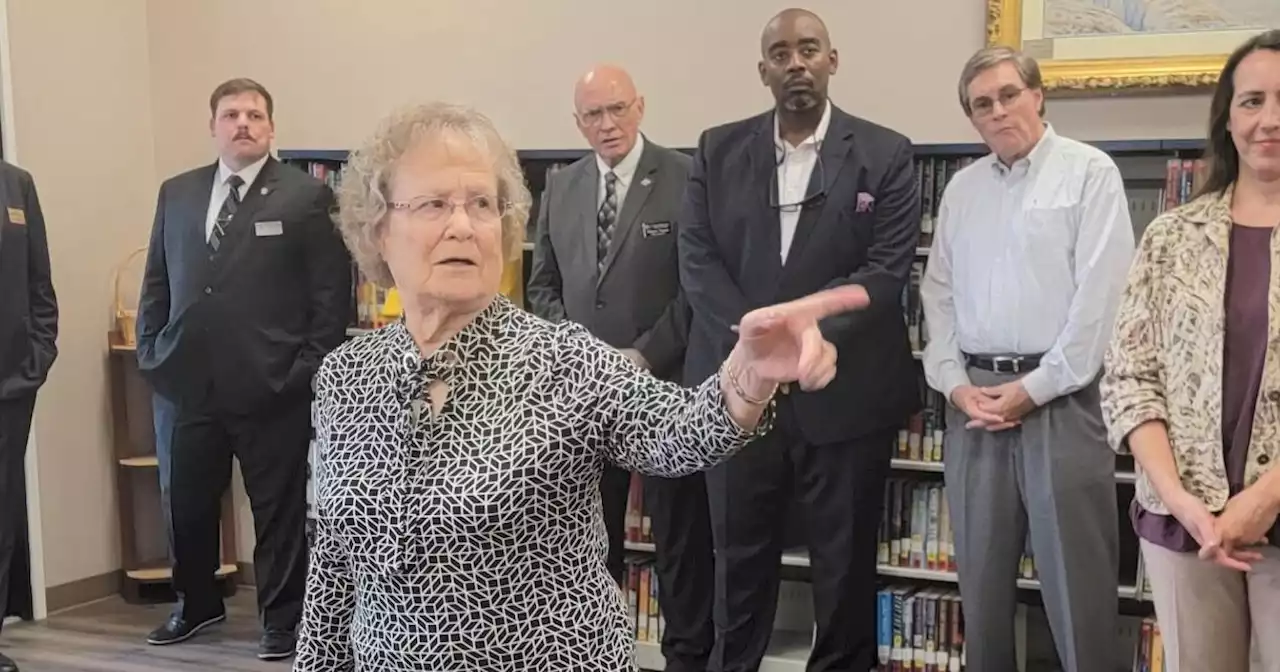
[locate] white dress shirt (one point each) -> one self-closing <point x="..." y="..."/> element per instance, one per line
<point x="1028" y="259"/>
<point x="795" y="166"/>
<point x="625" y="170"/>
<point x="220" y="188"/>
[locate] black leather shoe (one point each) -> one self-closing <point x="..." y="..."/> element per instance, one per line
<point x="7" y="665"/>
<point x="277" y="645"/>
<point x="178" y="629"/>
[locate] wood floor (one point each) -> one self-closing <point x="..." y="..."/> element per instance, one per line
<point x="110" y="636"/>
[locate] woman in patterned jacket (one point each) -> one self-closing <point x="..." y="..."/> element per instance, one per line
<point x="1192" y="387"/>
<point x="458" y="514"/>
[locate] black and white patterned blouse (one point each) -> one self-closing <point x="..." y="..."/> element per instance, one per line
<point x="474" y="539"/>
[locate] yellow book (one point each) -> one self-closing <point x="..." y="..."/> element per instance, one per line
<point x="512" y="285"/>
<point x="391" y="308"/>
<point x="1157" y="649"/>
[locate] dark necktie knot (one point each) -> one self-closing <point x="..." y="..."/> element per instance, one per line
<point x="235" y="182"/>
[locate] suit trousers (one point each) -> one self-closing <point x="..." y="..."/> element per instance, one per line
<point x="272" y="449"/>
<point x="839" y="492"/>
<point x="1210" y="615"/>
<point x="1053" y="475"/>
<point x="163" y="413"/>
<point x="684" y="563"/>
<point x="15" y="426"/>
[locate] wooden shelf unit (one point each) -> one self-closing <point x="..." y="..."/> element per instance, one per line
<point x="144" y="544"/>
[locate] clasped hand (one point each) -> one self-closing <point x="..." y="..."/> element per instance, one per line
<point x="1228" y="538"/>
<point x="993" y="408"/>
<point x="783" y="343"/>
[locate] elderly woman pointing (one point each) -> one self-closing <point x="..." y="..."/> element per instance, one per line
<point x="459" y="521"/>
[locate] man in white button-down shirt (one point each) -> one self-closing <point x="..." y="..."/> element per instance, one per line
<point x="1033" y="245"/>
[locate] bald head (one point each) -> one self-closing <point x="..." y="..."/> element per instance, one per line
<point x="608" y="111"/>
<point x="603" y="78"/>
<point x="790" y="21"/>
<point x="797" y="60"/>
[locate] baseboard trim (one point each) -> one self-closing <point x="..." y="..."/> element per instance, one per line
<point x="83" y="591"/>
<point x="246" y="575"/>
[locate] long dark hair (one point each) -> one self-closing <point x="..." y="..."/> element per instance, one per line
<point x="1221" y="154"/>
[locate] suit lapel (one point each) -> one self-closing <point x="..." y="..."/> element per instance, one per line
<point x="766" y="233"/>
<point x="835" y="147"/>
<point x="197" y="202"/>
<point x="637" y="193"/>
<point x="583" y="204"/>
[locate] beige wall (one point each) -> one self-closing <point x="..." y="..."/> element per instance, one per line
<point x="101" y="126"/>
<point x="83" y="128"/>
<point x="336" y="65"/>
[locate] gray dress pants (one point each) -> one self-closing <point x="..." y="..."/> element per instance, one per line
<point x="1052" y="476"/>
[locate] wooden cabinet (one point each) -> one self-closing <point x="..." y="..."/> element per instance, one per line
<point x="144" y="532"/>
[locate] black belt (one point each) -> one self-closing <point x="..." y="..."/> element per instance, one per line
<point x="1003" y="363"/>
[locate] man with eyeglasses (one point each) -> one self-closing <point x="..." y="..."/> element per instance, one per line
<point x="605" y="257"/>
<point x="247" y="287"/>
<point x="1028" y="263"/>
<point x="788" y="202"/>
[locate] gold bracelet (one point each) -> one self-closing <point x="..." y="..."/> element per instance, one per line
<point x="730" y="372"/>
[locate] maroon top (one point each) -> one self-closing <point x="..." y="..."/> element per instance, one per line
<point x="1244" y="351"/>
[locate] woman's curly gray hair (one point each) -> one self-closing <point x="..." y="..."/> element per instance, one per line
<point x="366" y="179"/>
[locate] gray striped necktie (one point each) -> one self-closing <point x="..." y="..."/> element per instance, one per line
<point x="228" y="210"/>
<point x="606" y="218"/>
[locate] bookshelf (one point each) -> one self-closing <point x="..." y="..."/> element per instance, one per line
<point x="1158" y="173"/>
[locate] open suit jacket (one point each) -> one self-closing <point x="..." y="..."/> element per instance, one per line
<point x="28" y="305"/>
<point x="636" y="303"/>
<point x="239" y="329"/>
<point x="864" y="231"/>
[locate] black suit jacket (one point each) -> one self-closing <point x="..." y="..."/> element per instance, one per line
<point x="730" y="263"/>
<point x="636" y="303"/>
<point x="28" y="305"/>
<point x="241" y="329"/>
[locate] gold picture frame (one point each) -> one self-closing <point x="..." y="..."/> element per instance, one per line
<point x="1129" y="73"/>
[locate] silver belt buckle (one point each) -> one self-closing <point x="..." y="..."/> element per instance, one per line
<point x="1013" y="362"/>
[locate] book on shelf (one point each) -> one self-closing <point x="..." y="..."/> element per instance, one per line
<point x="913" y="308"/>
<point x="916" y="530"/>
<point x="638" y="525"/>
<point x="1149" y="656"/>
<point x="921" y="439"/>
<point x="641" y="598"/>
<point x="919" y="629"/>
<point x="933" y="173"/>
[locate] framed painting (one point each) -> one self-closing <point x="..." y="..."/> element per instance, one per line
<point x="1128" y="45"/>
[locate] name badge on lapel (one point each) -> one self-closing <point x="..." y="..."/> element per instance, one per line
<point x="17" y="216"/>
<point x="272" y="228"/>
<point x="654" y="229"/>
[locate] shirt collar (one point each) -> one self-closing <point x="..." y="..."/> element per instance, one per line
<point x="626" y="168"/>
<point x="249" y="173"/>
<point x="1037" y="154"/>
<point x="474" y="342"/>
<point x="819" y="133"/>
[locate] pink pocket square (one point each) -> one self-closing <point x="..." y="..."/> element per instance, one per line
<point x="866" y="202"/>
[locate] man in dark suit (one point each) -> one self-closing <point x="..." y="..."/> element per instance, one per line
<point x="247" y="287"/>
<point x="605" y="257"/>
<point x="28" y="346"/>
<point x="780" y="205"/>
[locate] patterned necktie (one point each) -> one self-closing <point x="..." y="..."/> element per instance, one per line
<point x="606" y="218"/>
<point x="229" y="207"/>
